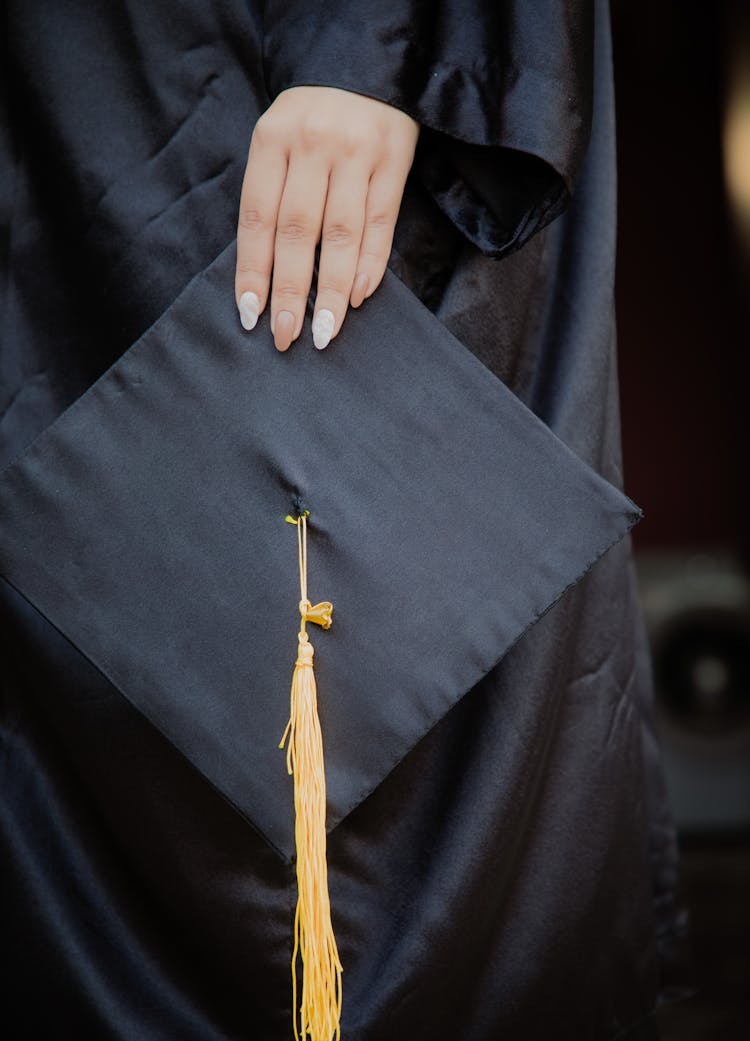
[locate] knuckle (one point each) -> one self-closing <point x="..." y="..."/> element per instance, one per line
<point x="338" y="233"/>
<point x="251" y="219"/>
<point x="373" y="257"/>
<point x="354" y="142"/>
<point x="332" y="289"/>
<point x="266" y="132"/>
<point x="251" y="271"/>
<point x="287" y="291"/>
<point x="316" y="131"/>
<point x="379" y="220"/>
<point x="293" y="229"/>
<point x="313" y="131"/>
<point x="389" y="155"/>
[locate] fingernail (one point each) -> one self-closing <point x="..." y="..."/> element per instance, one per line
<point x="249" y="310"/>
<point x="359" y="289"/>
<point x="284" y="329"/>
<point x="322" y="328"/>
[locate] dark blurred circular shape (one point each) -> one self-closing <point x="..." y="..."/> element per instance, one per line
<point x="702" y="670"/>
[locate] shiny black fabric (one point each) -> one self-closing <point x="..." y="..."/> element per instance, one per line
<point x="503" y="94"/>
<point x="513" y="874"/>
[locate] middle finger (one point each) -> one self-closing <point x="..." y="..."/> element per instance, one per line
<point x="339" y="247"/>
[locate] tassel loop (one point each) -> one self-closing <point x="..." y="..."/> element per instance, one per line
<point x="320" y="613"/>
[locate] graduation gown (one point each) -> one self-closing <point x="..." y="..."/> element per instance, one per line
<point x="510" y="873"/>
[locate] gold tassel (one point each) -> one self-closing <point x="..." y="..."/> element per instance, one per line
<point x="320" y="1008"/>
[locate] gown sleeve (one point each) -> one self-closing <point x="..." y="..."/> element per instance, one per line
<point x="502" y="91"/>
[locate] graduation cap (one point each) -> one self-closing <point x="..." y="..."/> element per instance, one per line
<point x="150" y="525"/>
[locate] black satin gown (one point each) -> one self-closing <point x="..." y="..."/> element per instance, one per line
<point x="514" y="873"/>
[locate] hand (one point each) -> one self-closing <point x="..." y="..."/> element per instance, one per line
<point x="329" y="166"/>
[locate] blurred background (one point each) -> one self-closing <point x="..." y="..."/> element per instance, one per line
<point x="683" y="89"/>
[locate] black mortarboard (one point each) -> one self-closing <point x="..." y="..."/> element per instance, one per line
<point x="148" y="525"/>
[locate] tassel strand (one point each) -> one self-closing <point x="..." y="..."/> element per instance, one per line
<point x="314" y="941"/>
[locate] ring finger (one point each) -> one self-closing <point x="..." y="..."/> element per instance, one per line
<point x="297" y="233"/>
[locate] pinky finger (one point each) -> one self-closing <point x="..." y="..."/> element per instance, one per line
<point x="383" y="201"/>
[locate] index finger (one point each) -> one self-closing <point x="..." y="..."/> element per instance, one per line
<point x="262" y="188"/>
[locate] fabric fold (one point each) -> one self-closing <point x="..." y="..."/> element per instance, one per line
<point x="503" y="94"/>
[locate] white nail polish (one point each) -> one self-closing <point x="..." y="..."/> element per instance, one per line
<point x="322" y="328"/>
<point x="249" y="310"/>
